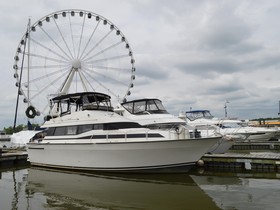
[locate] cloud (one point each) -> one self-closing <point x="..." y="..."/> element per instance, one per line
<point x="188" y="53"/>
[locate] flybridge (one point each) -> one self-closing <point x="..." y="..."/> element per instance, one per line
<point x="65" y="104"/>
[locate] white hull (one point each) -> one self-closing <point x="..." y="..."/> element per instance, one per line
<point x="261" y="137"/>
<point x="121" y="156"/>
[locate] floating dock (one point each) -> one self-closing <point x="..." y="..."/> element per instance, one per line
<point x="12" y="158"/>
<point x="254" y="161"/>
<point x="256" y="146"/>
<point x="253" y="156"/>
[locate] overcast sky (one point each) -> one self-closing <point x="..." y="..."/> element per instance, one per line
<point x="188" y="53"/>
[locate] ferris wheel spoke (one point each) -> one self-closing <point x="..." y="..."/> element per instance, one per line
<point x="59" y="47"/>
<point x="46" y="87"/>
<point x="44" y="67"/>
<point x="102" y="51"/>
<point x="105" y="76"/>
<point x="111" y="92"/>
<point x="84" y="78"/>
<point x="63" y="38"/>
<point x="49" y="49"/>
<point x="72" y="36"/>
<point x="97" y="44"/>
<point x="109" y="68"/>
<point x="81" y="36"/>
<point x="90" y="38"/>
<point x="60" y="71"/>
<point x="106" y="59"/>
<point x="46" y="58"/>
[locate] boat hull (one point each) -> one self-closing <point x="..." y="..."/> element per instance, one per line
<point x="148" y="156"/>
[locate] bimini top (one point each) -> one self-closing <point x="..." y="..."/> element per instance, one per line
<point x="145" y="106"/>
<point x="67" y="103"/>
<point x="199" y="114"/>
<point x="82" y="97"/>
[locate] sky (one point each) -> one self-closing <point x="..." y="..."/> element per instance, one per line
<point x="190" y="54"/>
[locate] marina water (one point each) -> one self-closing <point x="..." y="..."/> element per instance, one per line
<point x="37" y="188"/>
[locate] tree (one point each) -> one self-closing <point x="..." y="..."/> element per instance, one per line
<point x="10" y="130"/>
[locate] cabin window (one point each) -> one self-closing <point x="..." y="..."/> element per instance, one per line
<point x="139" y="106"/>
<point x="85" y="128"/>
<point x="121" y="125"/>
<point x="129" y="107"/>
<point x="159" y="105"/>
<point x="151" y="105"/>
<point x="98" y="127"/>
<point x="59" y="131"/>
<point x="50" y="131"/>
<point x="71" y="130"/>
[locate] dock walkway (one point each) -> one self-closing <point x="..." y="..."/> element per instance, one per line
<point x="11" y="158"/>
<point x="255" y="161"/>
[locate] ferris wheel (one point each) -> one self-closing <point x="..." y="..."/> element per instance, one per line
<point x="72" y="51"/>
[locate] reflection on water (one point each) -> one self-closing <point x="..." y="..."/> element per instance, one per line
<point x="241" y="192"/>
<point x="34" y="188"/>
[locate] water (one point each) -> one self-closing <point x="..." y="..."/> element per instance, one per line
<point x="33" y="188"/>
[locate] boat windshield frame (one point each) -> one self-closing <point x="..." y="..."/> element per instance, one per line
<point x="145" y="106"/>
<point x="81" y="101"/>
<point x="199" y="114"/>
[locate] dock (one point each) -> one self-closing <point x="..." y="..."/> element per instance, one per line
<point x="253" y="161"/>
<point x="251" y="156"/>
<point x="12" y="158"/>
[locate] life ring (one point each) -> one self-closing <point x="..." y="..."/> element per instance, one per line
<point x="30" y="112"/>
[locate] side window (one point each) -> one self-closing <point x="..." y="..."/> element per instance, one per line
<point x="59" y="131"/>
<point x="71" y="130"/>
<point x="50" y="131"/>
<point x="84" y="128"/>
<point x="98" y="127"/>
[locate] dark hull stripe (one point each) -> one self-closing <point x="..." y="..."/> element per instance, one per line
<point x="115" y="136"/>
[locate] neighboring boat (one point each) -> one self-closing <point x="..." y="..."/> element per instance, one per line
<point x="150" y="113"/>
<point x="4" y="136"/>
<point x="231" y="128"/>
<point x="84" y="133"/>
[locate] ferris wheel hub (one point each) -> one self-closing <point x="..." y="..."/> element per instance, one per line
<point x="76" y="64"/>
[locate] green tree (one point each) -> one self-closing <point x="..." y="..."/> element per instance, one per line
<point x="10" y="130"/>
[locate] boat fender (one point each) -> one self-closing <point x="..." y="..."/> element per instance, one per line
<point x="178" y="130"/>
<point x="30" y="112"/>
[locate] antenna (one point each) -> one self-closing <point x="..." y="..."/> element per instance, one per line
<point x="279" y="109"/>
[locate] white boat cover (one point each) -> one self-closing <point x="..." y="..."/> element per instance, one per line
<point x="23" y="137"/>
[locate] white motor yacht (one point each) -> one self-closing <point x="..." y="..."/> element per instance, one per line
<point x="230" y="128"/>
<point x="83" y="132"/>
<point x="150" y="113"/>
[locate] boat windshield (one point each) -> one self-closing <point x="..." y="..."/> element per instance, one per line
<point x="203" y="114"/>
<point x="145" y="106"/>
